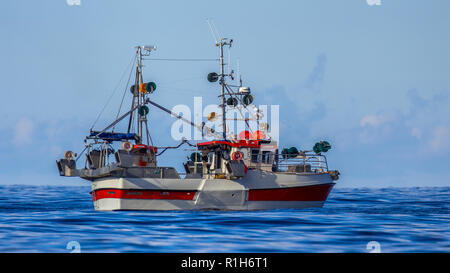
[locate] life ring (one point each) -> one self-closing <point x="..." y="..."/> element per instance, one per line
<point x="238" y="155"/>
<point x="127" y="146"/>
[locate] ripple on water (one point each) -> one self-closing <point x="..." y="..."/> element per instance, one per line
<point x="45" y="219"/>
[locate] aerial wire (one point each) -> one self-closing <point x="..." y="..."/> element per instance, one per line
<point x="109" y="99"/>
<point x="208" y="20"/>
<point x="126" y="88"/>
<point x="182" y="60"/>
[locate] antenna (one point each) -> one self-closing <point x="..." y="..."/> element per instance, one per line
<point x="212" y="31"/>
<point x="229" y="61"/>
<point x="239" y="72"/>
<point x="215" y="28"/>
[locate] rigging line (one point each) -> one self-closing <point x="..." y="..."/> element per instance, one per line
<point x="126" y="88"/>
<point x="115" y="89"/>
<point x="148" y="132"/>
<point x="175" y="147"/>
<point x="133" y="129"/>
<point x="210" y="131"/>
<point x="151" y="140"/>
<point x="148" y="135"/>
<point x="78" y="157"/>
<point x="180" y="80"/>
<point x="132" y="124"/>
<point x="216" y="30"/>
<point x="210" y="28"/>
<point x="146" y="129"/>
<point x="183" y="60"/>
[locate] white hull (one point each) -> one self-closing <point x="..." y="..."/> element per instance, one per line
<point x="257" y="190"/>
<point x="110" y="204"/>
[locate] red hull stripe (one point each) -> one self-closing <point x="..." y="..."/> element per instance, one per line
<point x="305" y="193"/>
<point x="142" y="194"/>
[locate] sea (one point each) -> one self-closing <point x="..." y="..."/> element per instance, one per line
<point x="61" y="219"/>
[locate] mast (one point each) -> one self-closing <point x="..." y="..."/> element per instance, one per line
<point x="137" y="94"/>
<point x="140" y="95"/>
<point x="223" y="42"/>
<point x="222" y="90"/>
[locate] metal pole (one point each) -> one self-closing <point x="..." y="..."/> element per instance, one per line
<point x="200" y="127"/>
<point x="117" y="120"/>
<point x="140" y="81"/>
<point x="222" y="85"/>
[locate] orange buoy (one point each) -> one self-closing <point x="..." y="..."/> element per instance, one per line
<point x="258" y="135"/>
<point x="244" y="135"/>
<point x="142" y="88"/>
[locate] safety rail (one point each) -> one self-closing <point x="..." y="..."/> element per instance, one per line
<point x="303" y="163"/>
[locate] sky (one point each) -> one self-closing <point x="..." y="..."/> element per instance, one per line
<point x="373" y="80"/>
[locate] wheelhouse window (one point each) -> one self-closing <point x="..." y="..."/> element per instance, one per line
<point x="211" y="158"/>
<point x="255" y="156"/>
<point x="218" y="160"/>
<point x="266" y="157"/>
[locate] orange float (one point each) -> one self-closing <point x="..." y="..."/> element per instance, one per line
<point x="258" y="135"/>
<point x="244" y="135"/>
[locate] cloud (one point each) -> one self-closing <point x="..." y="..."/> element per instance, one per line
<point x="316" y="76"/>
<point x="416" y="100"/>
<point x="416" y="132"/>
<point x="440" y="140"/>
<point x="375" y="120"/>
<point x="23" y="131"/>
<point x="428" y="121"/>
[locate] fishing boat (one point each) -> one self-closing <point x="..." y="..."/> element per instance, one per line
<point x="245" y="171"/>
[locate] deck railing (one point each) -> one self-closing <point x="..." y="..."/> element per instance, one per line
<point x="303" y="163"/>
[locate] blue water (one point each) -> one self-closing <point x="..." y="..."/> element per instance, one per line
<point x="46" y="219"/>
